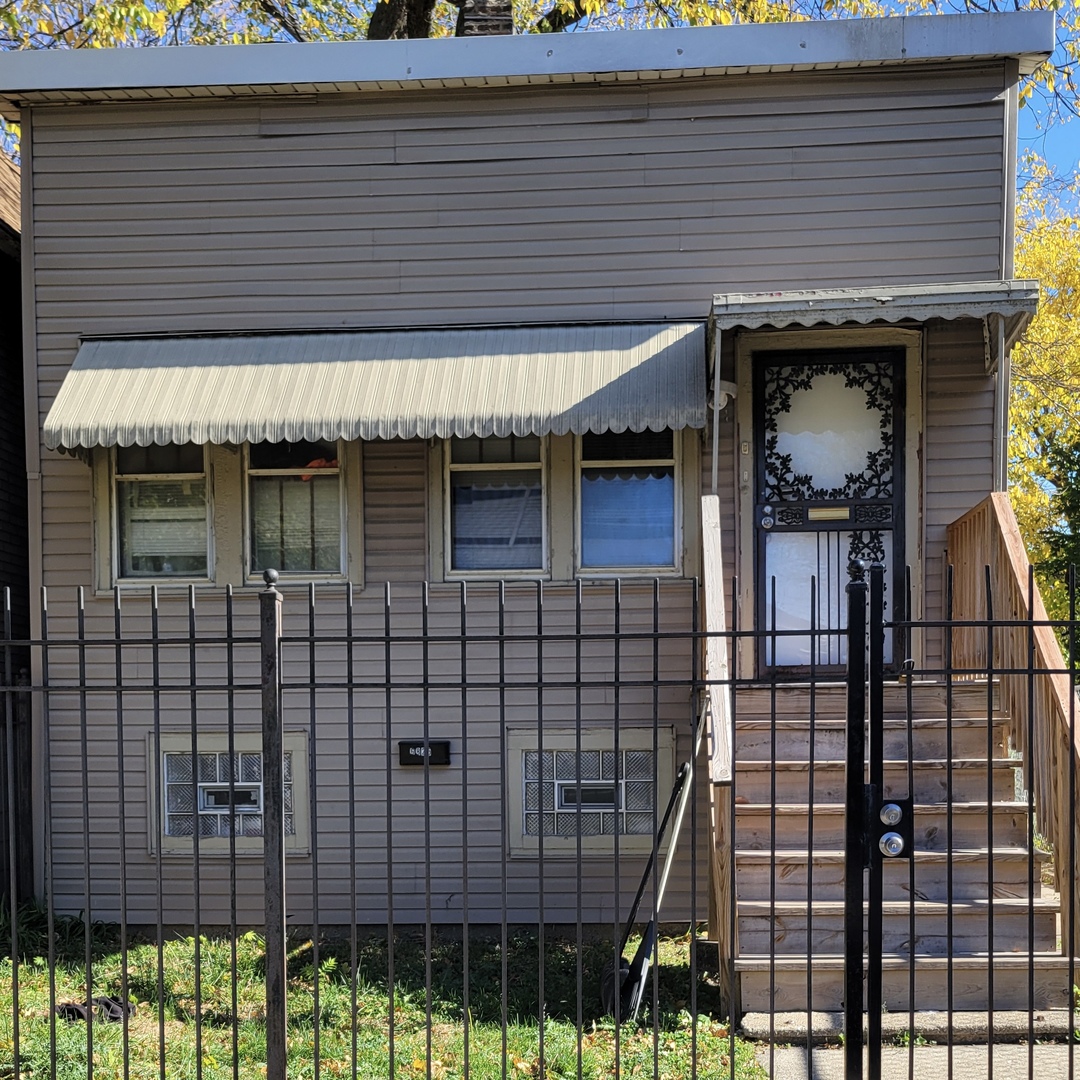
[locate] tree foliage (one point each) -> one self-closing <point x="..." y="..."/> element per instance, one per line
<point x="1045" y="404"/>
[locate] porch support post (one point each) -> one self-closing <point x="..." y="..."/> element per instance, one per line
<point x="273" y="825"/>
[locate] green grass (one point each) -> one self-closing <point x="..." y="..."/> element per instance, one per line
<point x="670" y="1043"/>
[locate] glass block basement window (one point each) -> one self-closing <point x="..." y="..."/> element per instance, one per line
<point x="566" y="791"/>
<point x="222" y="810"/>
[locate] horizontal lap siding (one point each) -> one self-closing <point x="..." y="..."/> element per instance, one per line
<point x="505" y="206"/>
<point x="418" y="846"/>
<point x="959" y="439"/>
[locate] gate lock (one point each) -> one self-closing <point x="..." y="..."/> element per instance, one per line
<point x="892" y="828"/>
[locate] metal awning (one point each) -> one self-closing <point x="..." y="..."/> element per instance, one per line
<point x="1011" y="302"/>
<point x="525" y="380"/>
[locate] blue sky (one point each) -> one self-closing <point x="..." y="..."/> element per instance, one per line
<point x="1059" y="144"/>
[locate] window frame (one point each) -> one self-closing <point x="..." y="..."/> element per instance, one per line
<point x="673" y="569"/>
<point x="521" y="738"/>
<point x="114" y="479"/>
<point x="172" y="742"/>
<point x="494" y="573"/>
<point x="247" y="472"/>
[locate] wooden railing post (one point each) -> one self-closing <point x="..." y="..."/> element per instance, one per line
<point x="716" y="710"/>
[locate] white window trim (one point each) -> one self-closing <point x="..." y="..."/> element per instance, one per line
<point x="111" y="479"/>
<point x="593" y="737"/>
<point x="494" y="573"/>
<point x="256" y="576"/>
<point x="295" y="743"/>
<point x="670" y="570"/>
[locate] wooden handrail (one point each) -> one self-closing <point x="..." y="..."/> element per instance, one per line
<point x="717" y="712"/>
<point x="992" y="584"/>
<point x="715" y="666"/>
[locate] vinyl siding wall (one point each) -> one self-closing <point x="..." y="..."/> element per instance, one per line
<point x="551" y="205"/>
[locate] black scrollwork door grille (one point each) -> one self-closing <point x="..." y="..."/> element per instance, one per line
<point x="828" y="488"/>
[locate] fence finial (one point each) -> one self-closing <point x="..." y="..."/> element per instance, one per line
<point x="270" y="577"/>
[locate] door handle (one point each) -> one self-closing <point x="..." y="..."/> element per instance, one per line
<point x="767" y="519"/>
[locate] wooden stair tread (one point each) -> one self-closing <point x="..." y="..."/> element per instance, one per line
<point x="784" y="809"/>
<point x="1001" y="961"/>
<point x="797" y="855"/>
<point x="832" y="723"/>
<point x="922" y="907"/>
<point x="939" y="764"/>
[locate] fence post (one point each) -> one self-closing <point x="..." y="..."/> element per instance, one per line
<point x="855" y="824"/>
<point x="273" y="825"/>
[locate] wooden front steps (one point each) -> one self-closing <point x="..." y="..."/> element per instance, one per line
<point x="973" y="885"/>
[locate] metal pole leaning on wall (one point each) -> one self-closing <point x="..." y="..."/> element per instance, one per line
<point x="273" y="824"/>
<point x="854" y="829"/>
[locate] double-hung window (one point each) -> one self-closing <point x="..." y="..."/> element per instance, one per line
<point x="161" y="511"/>
<point x="495" y="504"/>
<point x="294" y="508"/>
<point x="628" y="497"/>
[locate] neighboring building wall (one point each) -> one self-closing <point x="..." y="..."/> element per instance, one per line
<point x="14" y="563"/>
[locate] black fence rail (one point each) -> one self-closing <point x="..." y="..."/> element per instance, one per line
<point x="452" y="831"/>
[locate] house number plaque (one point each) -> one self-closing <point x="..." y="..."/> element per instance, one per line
<point x="414" y="752"/>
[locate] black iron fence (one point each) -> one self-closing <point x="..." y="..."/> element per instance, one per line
<point x="496" y="847"/>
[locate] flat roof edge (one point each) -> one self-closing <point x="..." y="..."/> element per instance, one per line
<point x="1028" y="37"/>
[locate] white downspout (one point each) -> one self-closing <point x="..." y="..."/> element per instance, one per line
<point x="716" y="413"/>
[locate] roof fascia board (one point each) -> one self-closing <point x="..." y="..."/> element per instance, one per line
<point x="541" y="58"/>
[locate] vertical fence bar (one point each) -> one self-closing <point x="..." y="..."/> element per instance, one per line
<point x="874" y="929"/>
<point x="273" y="826"/>
<point x="350" y="742"/>
<point x="428" y="938"/>
<point x="950" y="597"/>
<point x="578" y="938"/>
<point x="12" y="836"/>
<point x="541" y="940"/>
<point x="810" y="792"/>
<point x="1033" y="876"/>
<point x="696" y="665"/>
<point x="990" y="794"/>
<point x="854" y="829"/>
<point x="733" y="1004"/>
<point x="1070" y="874"/>
<point x="616" y="869"/>
<point x="313" y="812"/>
<point x="50" y="894"/>
<point x="466" y="1010"/>
<point x="655" y="998"/>
<point x="160" y="816"/>
<point x="909" y="728"/>
<point x="504" y="972"/>
<point x="121" y="824"/>
<point x="84" y="755"/>
<point x="196" y="832"/>
<point x="774" y="675"/>
<point x="388" y="700"/>
<point x="230" y="719"/>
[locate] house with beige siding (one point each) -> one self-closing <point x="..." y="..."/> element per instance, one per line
<point x="632" y="315"/>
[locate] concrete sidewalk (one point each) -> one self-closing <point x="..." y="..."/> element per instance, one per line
<point x="1007" y="1062"/>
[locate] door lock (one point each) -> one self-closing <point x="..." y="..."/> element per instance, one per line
<point x="767" y="520"/>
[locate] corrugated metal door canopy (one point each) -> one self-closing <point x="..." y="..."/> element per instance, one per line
<point x="533" y="380"/>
